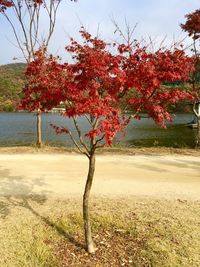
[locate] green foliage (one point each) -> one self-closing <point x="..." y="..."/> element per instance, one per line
<point x="11" y="84"/>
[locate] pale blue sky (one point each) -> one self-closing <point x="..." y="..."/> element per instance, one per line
<point x="155" y="18"/>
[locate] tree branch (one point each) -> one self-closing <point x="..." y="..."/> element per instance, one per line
<point x="79" y="134"/>
<point x="76" y="144"/>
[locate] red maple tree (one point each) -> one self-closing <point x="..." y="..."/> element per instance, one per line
<point x="99" y="85"/>
<point x="192" y="24"/>
<point x="42" y="90"/>
<point x="192" y="27"/>
<point x="24" y="18"/>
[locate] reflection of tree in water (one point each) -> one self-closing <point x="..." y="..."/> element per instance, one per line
<point x="16" y="191"/>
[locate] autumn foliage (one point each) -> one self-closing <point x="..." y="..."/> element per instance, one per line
<point x="192" y="24"/>
<point x="100" y="83"/>
<point x="42" y="90"/>
<point x="192" y="27"/>
<point x="146" y="72"/>
<point x="4" y="4"/>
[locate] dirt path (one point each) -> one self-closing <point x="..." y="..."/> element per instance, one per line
<point x="172" y="176"/>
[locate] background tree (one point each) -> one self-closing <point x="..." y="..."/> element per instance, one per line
<point x="97" y="86"/>
<point x="192" y="27"/>
<point x="43" y="77"/>
<point x="4" y="4"/>
<point x="24" y="17"/>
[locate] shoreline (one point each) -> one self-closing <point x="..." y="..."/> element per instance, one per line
<point x="107" y="150"/>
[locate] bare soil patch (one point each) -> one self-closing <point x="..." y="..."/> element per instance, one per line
<point x="115" y="248"/>
<point x="63" y="175"/>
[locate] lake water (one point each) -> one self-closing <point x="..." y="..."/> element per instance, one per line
<point x="20" y="129"/>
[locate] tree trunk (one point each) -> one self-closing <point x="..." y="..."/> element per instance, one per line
<point x="198" y="131"/>
<point x="39" y="133"/>
<point x="198" y="125"/>
<point x="88" y="234"/>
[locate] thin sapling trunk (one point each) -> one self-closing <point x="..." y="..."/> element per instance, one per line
<point x="198" y="131"/>
<point x="86" y="216"/>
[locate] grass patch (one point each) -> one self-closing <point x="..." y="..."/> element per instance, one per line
<point x="127" y="232"/>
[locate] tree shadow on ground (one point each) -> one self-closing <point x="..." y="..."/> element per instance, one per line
<point x="17" y="191"/>
<point x="150" y="168"/>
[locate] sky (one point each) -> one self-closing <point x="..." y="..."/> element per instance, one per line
<point x="158" y="19"/>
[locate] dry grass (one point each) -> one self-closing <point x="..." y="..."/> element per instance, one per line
<point x="127" y="232"/>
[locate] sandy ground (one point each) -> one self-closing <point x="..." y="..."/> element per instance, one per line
<point x="63" y="175"/>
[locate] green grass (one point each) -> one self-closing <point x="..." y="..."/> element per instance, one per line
<point x="163" y="233"/>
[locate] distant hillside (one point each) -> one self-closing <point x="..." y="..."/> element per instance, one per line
<point x="11" y="84"/>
